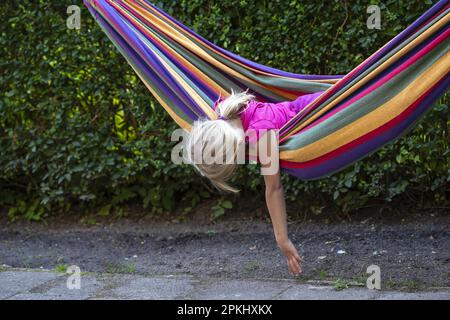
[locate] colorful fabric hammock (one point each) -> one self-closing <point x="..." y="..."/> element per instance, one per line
<point x="377" y="102"/>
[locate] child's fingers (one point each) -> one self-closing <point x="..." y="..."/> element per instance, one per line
<point x="294" y="266"/>
<point x="298" y="266"/>
<point x="290" y="267"/>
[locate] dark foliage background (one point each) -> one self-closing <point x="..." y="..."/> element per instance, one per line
<point x="78" y="128"/>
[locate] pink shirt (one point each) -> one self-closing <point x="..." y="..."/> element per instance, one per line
<point x="258" y="117"/>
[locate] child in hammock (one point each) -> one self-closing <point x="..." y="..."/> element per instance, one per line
<point x="241" y="119"/>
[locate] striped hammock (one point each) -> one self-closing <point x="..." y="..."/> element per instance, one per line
<point x="377" y="102"/>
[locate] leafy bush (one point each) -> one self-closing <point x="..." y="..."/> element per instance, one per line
<point x="78" y="128"/>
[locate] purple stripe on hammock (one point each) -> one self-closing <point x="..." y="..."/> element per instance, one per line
<point x="144" y="68"/>
<point x="398" y="39"/>
<point x="402" y="60"/>
<point x="360" y="151"/>
<point x="382" y="74"/>
<point x="197" y="81"/>
<point x="150" y="56"/>
<point x="394" y="42"/>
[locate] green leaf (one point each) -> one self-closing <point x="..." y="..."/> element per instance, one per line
<point x="227" y="204"/>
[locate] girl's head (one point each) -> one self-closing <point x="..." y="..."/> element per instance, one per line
<point x="212" y="146"/>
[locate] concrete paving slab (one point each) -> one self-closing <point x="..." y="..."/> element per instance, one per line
<point x="140" y="287"/>
<point x="58" y="290"/>
<point x="242" y="289"/>
<point x="47" y="285"/>
<point x="14" y="282"/>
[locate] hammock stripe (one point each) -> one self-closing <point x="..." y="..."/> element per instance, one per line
<point x="377" y="102"/>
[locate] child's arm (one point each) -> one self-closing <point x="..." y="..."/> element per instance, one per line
<point x="277" y="209"/>
<point x="268" y="156"/>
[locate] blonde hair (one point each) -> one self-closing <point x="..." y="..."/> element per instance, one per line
<point x="221" y="137"/>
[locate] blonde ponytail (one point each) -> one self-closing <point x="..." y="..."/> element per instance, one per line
<point x="230" y="107"/>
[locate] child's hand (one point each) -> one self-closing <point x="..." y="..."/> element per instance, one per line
<point x="292" y="257"/>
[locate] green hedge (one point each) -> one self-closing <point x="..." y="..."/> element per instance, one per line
<point x="79" y="129"/>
